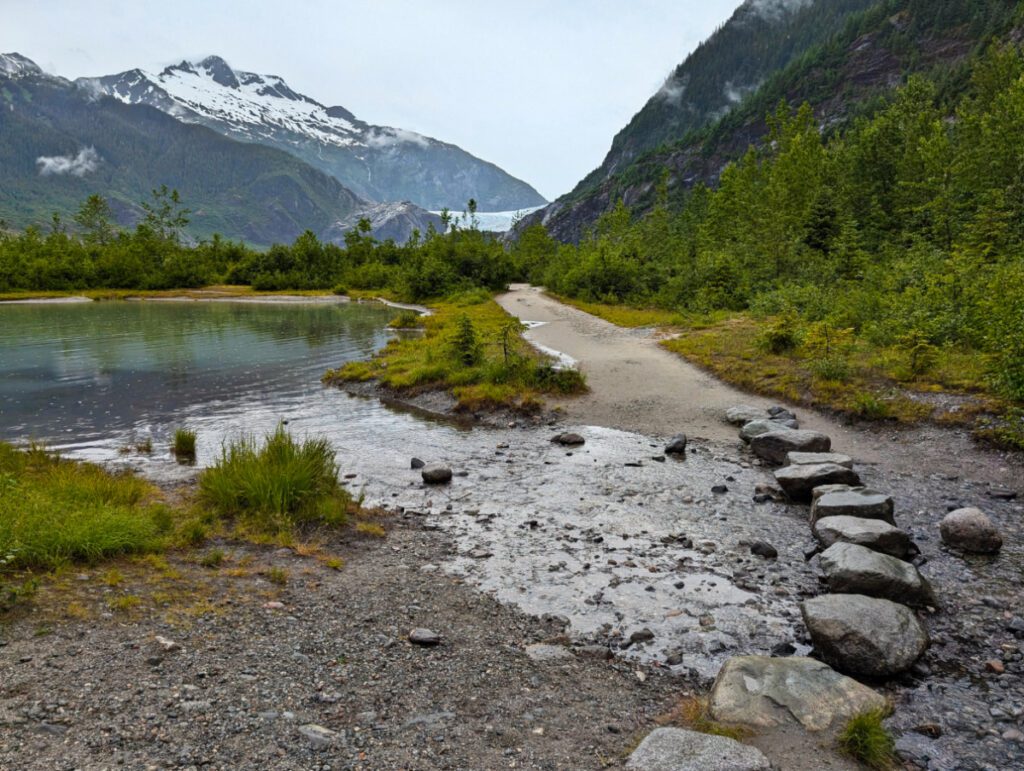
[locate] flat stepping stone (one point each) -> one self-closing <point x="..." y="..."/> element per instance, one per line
<point x="676" y="749"/>
<point x="742" y="414"/>
<point x="853" y="569"/>
<point x="765" y="692"/>
<point x="764" y="426"/>
<point x="774" y="446"/>
<point x="971" y="530"/>
<point x="812" y="458"/>
<point x="860" y="502"/>
<point x="864" y="636"/>
<point x="875" y="534"/>
<point x="798" y="482"/>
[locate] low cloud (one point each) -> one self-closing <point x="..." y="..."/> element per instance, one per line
<point x="774" y="9"/>
<point x="87" y="160"/>
<point x="673" y="88"/>
<point x="392" y="136"/>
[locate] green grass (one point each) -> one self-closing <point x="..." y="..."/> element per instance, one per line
<point x="54" y="511"/>
<point x="473" y="349"/>
<point x="867" y="740"/>
<point x="184" y="446"/>
<point x="627" y="316"/>
<point x="277" y="485"/>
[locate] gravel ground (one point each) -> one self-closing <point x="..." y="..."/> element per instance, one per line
<point x="314" y="674"/>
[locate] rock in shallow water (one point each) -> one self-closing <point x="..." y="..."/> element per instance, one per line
<point x="744" y="413"/>
<point x="799" y="481"/>
<point x="853" y="569"/>
<point x="676" y="749"/>
<point x="676" y="445"/>
<point x="970" y="529"/>
<point x="775" y="445"/>
<point x="875" y="534"/>
<point x="764" y="426"/>
<point x="860" y="502"/>
<point x="436" y="474"/>
<point x="768" y="692"/>
<point x="811" y="458"/>
<point x="568" y="440"/>
<point x="864" y="635"/>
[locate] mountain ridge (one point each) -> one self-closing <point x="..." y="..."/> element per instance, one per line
<point x="379" y="163"/>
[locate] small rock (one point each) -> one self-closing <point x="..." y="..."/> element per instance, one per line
<point x="569" y="440"/>
<point x="436" y="474"/>
<point x="764" y="549"/>
<point x="719" y="489"/>
<point x="317" y="735"/>
<point x="931" y="730"/>
<point x="167" y="645"/>
<point x="416" y="463"/>
<point x="641" y="636"/>
<point x="995" y="666"/>
<point x="676" y="445"/>
<point x="971" y="530"/>
<point x="424" y="637"/>
<point x="544" y="652"/>
<point x="743" y="414"/>
<point x="1013" y="735"/>
<point x="677" y="749"/>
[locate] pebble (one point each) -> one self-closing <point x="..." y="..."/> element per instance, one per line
<point x="424" y="637"/>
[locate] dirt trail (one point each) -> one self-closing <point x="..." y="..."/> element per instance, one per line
<point x="636" y="385"/>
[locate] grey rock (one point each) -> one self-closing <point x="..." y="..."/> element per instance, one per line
<point x="821" y="490"/>
<point x="875" y="534"/>
<point x="425" y="637"/>
<point x="317" y="735"/>
<point x="758" y="427"/>
<point x="416" y="463"/>
<point x="436" y="474"/>
<point x="568" y="440"/>
<point x="743" y="414"/>
<point x="799" y="481"/>
<point x="853" y="569"/>
<point x="970" y="529"/>
<point x="811" y="458"/>
<point x="763" y="549"/>
<point x="676" y="749"/>
<point x="864" y="635"/>
<point x="781" y="413"/>
<point x="676" y="445"/>
<point x="544" y="652"/>
<point x="641" y="636"/>
<point x="860" y="502"/>
<point x="766" y="692"/>
<point x="775" y="445"/>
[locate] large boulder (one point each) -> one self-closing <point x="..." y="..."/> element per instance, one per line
<point x="766" y="692"/>
<point x="799" y="481"/>
<point x="774" y="446"/>
<point x="875" y="534"/>
<point x="853" y="569"/>
<point x="744" y="413"/>
<point x="864" y="635"/>
<point x="860" y="502"/>
<point x="676" y="749"/>
<point x="971" y="530"/>
<point x="812" y="458"/>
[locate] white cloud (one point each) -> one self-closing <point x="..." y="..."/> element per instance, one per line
<point x="393" y="136"/>
<point x="86" y="161"/>
<point x="673" y="88"/>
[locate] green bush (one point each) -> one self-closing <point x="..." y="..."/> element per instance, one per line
<point x="781" y="334"/>
<point x="464" y="345"/>
<point x="278" y="485"/>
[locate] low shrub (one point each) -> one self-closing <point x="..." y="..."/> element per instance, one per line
<point x="278" y="485"/>
<point x="184" y="446"/>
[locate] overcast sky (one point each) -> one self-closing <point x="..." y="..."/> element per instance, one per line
<point x="539" y="87"/>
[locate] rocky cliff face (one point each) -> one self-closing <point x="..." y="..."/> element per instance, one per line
<point x="378" y="163"/>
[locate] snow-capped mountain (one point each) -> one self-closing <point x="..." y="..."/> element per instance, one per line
<point x="379" y="163"/>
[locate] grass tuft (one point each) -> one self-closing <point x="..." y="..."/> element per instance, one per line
<point x="278" y="485"/>
<point x="184" y="447"/>
<point x="867" y="740"/>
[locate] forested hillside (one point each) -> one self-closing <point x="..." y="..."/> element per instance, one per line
<point x="845" y="75"/>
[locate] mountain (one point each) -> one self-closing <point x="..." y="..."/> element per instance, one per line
<point x="838" y="55"/>
<point x="60" y="143"/>
<point x="378" y="163"/>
